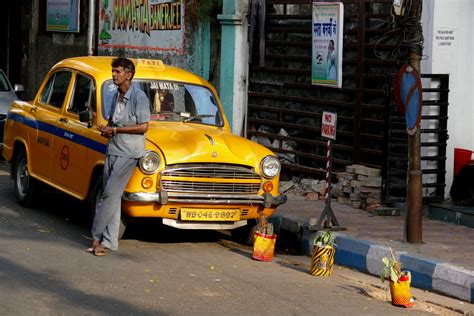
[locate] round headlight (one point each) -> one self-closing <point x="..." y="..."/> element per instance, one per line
<point x="150" y="162"/>
<point x="270" y="166"/>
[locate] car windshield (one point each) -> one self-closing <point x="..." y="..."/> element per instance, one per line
<point x="171" y="101"/>
<point x="4" y="86"/>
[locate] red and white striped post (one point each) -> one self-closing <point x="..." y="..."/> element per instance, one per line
<point x="327" y="197"/>
<point x="327" y="218"/>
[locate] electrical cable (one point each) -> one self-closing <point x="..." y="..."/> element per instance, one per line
<point x="407" y="31"/>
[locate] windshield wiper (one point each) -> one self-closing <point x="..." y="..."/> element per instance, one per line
<point x="189" y="119"/>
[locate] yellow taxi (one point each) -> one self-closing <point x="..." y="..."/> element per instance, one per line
<point x="194" y="175"/>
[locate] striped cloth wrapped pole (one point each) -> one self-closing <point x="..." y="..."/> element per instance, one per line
<point x="328" y="170"/>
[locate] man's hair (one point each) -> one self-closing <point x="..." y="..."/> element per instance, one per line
<point x="126" y="63"/>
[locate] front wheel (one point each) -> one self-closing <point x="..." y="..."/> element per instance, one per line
<point x="94" y="198"/>
<point x="25" y="186"/>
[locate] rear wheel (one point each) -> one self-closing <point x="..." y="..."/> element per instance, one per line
<point x="25" y="186"/>
<point x="94" y="197"/>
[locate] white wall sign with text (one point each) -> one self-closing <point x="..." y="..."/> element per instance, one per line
<point x="153" y="25"/>
<point x="328" y="125"/>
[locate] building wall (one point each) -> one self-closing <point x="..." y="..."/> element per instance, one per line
<point x="44" y="49"/>
<point x="194" y="48"/>
<point x="449" y="43"/>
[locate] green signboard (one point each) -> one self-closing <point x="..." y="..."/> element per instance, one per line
<point x="62" y="16"/>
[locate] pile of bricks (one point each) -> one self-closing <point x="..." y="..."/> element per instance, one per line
<point x="359" y="186"/>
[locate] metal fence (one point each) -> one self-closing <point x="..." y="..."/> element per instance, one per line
<point x="284" y="108"/>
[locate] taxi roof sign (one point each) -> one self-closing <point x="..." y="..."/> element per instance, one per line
<point x="149" y="63"/>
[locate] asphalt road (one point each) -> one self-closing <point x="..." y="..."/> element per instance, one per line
<point x="44" y="270"/>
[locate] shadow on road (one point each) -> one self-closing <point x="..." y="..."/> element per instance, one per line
<point x="42" y="282"/>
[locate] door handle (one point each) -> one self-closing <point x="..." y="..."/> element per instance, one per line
<point x="33" y="109"/>
<point x="63" y="120"/>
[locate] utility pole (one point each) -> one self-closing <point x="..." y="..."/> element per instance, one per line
<point x="414" y="195"/>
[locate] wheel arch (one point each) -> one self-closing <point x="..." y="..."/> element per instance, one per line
<point x="18" y="145"/>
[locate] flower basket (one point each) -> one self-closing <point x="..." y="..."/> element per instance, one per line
<point x="322" y="260"/>
<point x="400" y="292"/>
<point x="263" y="246"/>
<point x="399" y="281"/>
<point x="323" y="254"/>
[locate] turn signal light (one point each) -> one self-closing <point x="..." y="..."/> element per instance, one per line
<point x="147" y="182"/>
<point x="268" y="186"/>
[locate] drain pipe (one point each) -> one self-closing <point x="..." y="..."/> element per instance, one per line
<point x="91" y="28"/>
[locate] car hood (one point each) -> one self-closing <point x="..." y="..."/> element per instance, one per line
<point x="195" y="143"/>
<point x="6" y="99"/>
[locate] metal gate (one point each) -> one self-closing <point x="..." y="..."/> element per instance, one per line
<point x="434" y="136"/>
<point x="284" y="108"/>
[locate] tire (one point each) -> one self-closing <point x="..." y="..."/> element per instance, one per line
<point x="94" y="197"/>
<point x="244" y="234"/>
<point x="26" y="188"/>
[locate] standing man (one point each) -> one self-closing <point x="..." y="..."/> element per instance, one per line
<point x="126" y="128"/>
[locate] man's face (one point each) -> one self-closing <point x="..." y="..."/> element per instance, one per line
<point x="120" y="75"/>
<point x="331" y="46"/>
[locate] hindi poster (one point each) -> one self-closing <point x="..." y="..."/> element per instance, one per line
<point x="327" y="22"/>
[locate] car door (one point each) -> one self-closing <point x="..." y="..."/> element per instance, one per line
<point x="46" y="111"/>
<point x="73" y="138"/>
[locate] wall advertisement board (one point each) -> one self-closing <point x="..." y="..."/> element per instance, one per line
<point x="144" y="25"/>
<point x="62" y="16"/>
<point x="327" y="35"/>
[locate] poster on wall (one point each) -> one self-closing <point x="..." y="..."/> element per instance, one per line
<point x="153" y="25"/>
<point x="62" y="16"/>
<point x="327" y="32"/>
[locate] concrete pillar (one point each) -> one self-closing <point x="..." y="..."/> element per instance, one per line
<point x="234" y="62"/>
<point x="202" y="48"/>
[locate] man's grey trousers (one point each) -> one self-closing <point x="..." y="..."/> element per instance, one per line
<point x="117" y="173"/>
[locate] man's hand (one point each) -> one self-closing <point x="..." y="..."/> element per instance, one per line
<point x="105" y="131"/>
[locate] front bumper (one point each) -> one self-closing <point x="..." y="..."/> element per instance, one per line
<point x="163" y="197"/>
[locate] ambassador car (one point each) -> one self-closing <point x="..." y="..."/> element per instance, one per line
<point x="194" y="175"/>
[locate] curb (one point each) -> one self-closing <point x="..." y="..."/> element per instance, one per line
<point x="366" y="256"/>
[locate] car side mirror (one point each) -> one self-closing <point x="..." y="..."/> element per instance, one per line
<point x="86" y="116"/>
<point x="19" y="88"/>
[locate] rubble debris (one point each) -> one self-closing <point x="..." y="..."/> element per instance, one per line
<point x="359" y="186"/>
<point x="286" y="185"/>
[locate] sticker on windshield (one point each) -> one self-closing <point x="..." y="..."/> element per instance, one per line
<point x="163" y="85"/>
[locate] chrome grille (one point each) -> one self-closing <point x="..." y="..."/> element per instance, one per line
<point x="195" y="178"/>
<point x="212" y="171"/>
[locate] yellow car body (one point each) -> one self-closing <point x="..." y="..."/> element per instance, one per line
<point x="207" y="178"/>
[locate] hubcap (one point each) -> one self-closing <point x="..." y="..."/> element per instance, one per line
<point x="23" y="178"/>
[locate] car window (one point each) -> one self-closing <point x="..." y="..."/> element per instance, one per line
<point x="55" y="89"/>
<point x="169" y="100"/>
<point x="4" y="86"/>
<point x="83" y="95"/>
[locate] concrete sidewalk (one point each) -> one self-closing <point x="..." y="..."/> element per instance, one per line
<point x="443" y="263"/>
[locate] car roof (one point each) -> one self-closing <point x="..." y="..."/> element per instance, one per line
<point x="100" y="67"/>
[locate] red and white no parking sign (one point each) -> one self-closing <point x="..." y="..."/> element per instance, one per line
<point x="328" y="126"/>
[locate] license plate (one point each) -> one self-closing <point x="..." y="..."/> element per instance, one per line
<point x="221" y="215"/>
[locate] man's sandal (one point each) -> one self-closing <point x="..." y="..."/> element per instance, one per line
<point x="99" y="251"/>
<point x="95" y="243"/>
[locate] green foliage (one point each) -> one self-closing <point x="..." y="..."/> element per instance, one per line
<point x="392" y="270"/>
<point x="324" y="238"/>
